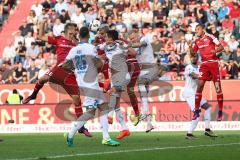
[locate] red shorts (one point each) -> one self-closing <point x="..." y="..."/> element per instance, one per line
<point x="134" y="69"/>
<point x="209" y="71"/>
<point x="62" y="77"/>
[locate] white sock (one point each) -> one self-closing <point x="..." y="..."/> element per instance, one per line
<point x="104" y="124"/>
<point x="120" y="119"/>
<point x="193" y="125"/>
<point x="79" y="123"/>
<point x="110" y="114"/>
<point x="207" y="117"/>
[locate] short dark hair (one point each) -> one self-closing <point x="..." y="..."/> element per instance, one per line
<point x="84" y="32"/>
<point x="112" y="34"/>
<point x="68" y="25"/>
<point x="200" y="25"/>
<point x="15" y="91"/>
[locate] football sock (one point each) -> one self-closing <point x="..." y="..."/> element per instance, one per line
<point x="198" y="98"/>
<point x="79" y="123"/>
<point x="207" y="117"/>
<point x="104" y="124"/>
<point x="37" y="88"/>
<point x="193" y="125"/>
<point x="220" y="101"/>
<point x="120" y="119"/>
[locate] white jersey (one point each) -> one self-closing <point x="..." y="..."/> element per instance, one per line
<point x="145" y="53"/>
<point x="117" y="55"/>
<point x="190" y="83"/>
<point x="84" y="56"/>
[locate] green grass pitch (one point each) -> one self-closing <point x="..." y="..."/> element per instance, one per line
<point x="139" y="146"/>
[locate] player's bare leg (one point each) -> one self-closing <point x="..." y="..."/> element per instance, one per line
<point x="40" y="83"/>
<point x="143" y="89"/>
<point x="198" y="98"/>
<point x="218" y="89"/>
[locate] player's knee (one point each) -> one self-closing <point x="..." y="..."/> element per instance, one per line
<point x="44" y="79"/>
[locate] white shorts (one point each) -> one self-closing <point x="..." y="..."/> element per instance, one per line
<point x="93" y="96"/>
<point x="191" y="102"/>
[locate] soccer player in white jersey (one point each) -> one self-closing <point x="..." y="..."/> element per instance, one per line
<point x="86" y="63"/>
<point x="116" y="52"/>
<point x="149" y="72"/>
<point x="191" y="75"/>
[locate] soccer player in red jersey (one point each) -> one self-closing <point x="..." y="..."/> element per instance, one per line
<point x="100" y="39"/>
<point x="57" y="74"/>
<point x="208" y="47"/>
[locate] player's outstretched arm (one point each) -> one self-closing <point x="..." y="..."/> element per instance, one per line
<point x="138" y="45"/>
<point x="42" y="36"/>
<point x="191" y="50"/>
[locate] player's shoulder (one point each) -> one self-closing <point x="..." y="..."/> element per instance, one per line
<point x="208" y="35"/>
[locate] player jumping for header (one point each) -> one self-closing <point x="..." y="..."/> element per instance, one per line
<point x="208" y="47"/>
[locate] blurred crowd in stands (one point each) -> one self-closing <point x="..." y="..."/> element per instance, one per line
<point x="168" y="24"/>
<point x="6" y="6"/>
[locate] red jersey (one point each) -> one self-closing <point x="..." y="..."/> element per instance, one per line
<point x="99" y="39"/>
<point x="63" y="46"/>
<point x="205" y="45"/>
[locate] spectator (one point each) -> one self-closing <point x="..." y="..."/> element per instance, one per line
<point x="156" y="45"/>
<point x="33" y="51"/>
<point x="32" y="17"/>
<point x="109" y="5"/>
<point x="223" y="11"/>
<point x="90" y="16"/>
<point x="27" y="62"/>
<point x="25" y="28"/>
<point x="51" y="60"/>
<point x="149" y="35"/>
<point x="177" y="34"/>
<point x="20" y="52"/>
<point x="174" y="62"/>
<point x="72" y="8"/>
<point x="14" y="98"/>
<point x="136" y="17"/>
<point x="182" y="47"/>
<point x="233" y="69"/>
<point x="37" y="7"/>
<point x="120" y="26"/>
<point x="226" y="54"/>
<point x="235" y="12"/>
<point x="9" y="53"/>
<point x="17" y="38"/>
<point x="58" y="27"/>
<point x="40" y="61"/>
<point x="126" y="16"/>
<point x="61" y="5"/>
<point x="84" y="5"/>
<point x="29" y="39"/>
<point x="43" y="71"/>
<point x="78" y="18"/>
<point x="64" y="16"/>
<point x="147" y="17"/>
<point x="47" y="4"/>
<point x="19" y="73"/>
<point x="32" y="73"/>
<point x="232" y="43"/>
<point x="174" y="13"/>
<point x="227" y="23"/>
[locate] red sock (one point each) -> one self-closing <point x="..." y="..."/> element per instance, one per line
<point x="220" y="101"/>
<point x="37" y="87"/>
<point x="134" y="102"/>
<point x="78" y="110"/>
<point x="105" y="70"/>
<point x="198" y="98"/>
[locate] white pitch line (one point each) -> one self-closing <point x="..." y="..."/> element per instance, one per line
<point x="127" y="151"/>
